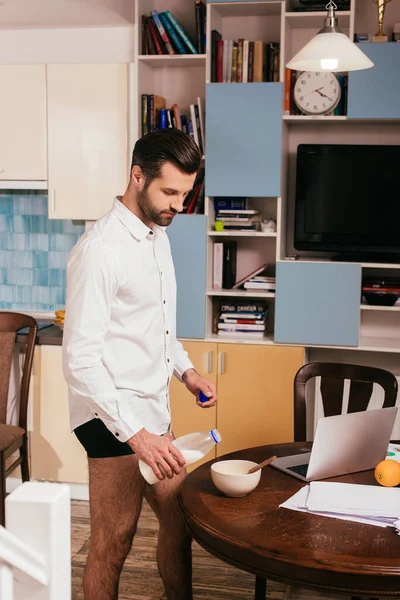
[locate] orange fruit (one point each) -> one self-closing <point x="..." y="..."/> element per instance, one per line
<point x="387" y="473"/>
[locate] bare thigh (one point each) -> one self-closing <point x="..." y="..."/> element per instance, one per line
<point x="116" y="490"/>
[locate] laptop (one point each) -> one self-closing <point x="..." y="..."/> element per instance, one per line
<point x="343" y="444"/>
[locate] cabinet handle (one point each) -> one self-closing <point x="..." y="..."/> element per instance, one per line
<point x="52" y="201"/>
<point x="222" y="363"/>
<point x="209" y="362"/>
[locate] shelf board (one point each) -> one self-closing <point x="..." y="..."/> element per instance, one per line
<point x="317" y="118"/>
<point x="267" y="340"/>
<point x="395" y="308"/>
<point x="380" y="265"/>
<point x="173" y="60"/>
<point x="315" y="18"/>
<point x="248" y="9"/>
<point x="241" y="293"/>
<point x="242" y="233"/>
<point x="379" y="344"/>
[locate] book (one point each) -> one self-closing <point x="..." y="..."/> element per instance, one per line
<point x="179" y="29"/>
<point x="174" y="37"/>
<point x="218" y="265"/>
<point x="229" y="265"/>
<point x="225" y="202"/>
<point x="215" y="37"/>
<point x="201" y="118"/>
<point x="257" y="271"/>
<point x="162" y="31"/>
<point x="200" y="15"/>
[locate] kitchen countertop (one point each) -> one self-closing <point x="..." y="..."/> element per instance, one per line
<point x="48" y="336"/>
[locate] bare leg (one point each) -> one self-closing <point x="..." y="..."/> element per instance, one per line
<point x="174" y="551"/>
<point x="116" y="490"/>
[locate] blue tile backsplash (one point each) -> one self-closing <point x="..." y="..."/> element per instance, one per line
<point x="33" y="252"/>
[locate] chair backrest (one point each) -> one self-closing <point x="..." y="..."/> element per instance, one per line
<point x="333" y="376"/>
<point x="10" y="323"/>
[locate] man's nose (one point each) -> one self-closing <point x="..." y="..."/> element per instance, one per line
<point x="177" y="204"/>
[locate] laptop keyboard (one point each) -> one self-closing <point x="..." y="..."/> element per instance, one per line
<point x="299" y="469"/>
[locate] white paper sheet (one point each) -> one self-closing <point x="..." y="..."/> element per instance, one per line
<point x="300" y="501"/>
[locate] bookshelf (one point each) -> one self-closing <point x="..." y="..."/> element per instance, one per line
<point x="269" y="184"/>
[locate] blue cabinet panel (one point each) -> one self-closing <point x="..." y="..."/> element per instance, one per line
<point x="244" y="131"/>
<point x="188" y="237"/>
<point x="375" y="93"/>
<point x="317" y="303"/>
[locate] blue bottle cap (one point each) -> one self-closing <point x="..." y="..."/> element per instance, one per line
<point x="203" y="397"/>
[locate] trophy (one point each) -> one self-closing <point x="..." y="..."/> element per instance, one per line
<point x="380" y="36"/>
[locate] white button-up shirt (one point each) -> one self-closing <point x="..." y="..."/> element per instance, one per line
<point x="120" y="348"/>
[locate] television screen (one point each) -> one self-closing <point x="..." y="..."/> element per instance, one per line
<point x="347" y="198"/>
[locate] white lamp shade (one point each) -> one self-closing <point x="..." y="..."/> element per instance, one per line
<point x="330" y="51"/>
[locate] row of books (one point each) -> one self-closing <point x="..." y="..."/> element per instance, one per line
<point x="155" y="116"/>
<point x="163" y="34"/>
<point x="242" y="318"/>
<point x="290" y="107"/>
<point x="239" y="220"/>
<point x="194" y="202"/>
<point x="243" y="61"/>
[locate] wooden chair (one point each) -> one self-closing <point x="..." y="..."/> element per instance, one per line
<point x="333" y="376"/>
<point x="13" y="437"/>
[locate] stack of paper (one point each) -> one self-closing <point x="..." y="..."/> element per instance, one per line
<point x="369" y="504"/>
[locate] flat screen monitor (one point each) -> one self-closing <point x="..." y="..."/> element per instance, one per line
<point x="348" y="199"/>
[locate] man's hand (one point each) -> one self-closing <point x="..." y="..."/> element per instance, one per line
<point x="158" y="452"/>
<point x="195" y="383"/>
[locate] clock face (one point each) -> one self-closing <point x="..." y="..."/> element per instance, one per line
<point x="317" y="93"/>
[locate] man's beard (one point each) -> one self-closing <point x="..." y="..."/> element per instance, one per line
<point x="149" y="212"/>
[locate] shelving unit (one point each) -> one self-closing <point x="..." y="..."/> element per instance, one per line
<point x="183" y="78"/>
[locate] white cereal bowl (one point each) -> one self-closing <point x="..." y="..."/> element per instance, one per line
<point x="231" y="477"/>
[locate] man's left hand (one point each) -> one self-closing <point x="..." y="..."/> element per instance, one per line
<point x="195" y="383"/>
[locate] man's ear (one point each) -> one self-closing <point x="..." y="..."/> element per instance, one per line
<point x="137" y="177"/>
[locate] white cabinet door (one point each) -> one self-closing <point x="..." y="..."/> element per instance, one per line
<point x="56" y="454"/>
<point x="23" y="153"/>
<point x="87" y="138"/>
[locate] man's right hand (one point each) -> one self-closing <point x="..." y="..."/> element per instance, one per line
<point x="158" y="452"/>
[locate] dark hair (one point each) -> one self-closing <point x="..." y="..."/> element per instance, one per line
<point x="166" y="145"/>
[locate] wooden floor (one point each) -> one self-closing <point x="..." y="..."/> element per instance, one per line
<point x="212" y="579"/>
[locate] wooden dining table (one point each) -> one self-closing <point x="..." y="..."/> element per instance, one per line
<point x="298" y="549"/>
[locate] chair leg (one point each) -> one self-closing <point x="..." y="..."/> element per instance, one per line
<point x="25" y="460"/>
<point x="261" y="588"/>
<point x="2" y="490"/>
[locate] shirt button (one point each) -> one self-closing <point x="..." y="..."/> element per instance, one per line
<point x="167" y="332"/>
<point x="167" y="359"/>
<point x="164" y="301"/>
<point x="117" y="434"/>
<point x="96" y="415"/>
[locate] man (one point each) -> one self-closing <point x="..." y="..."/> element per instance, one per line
<point x="119" y="354"/>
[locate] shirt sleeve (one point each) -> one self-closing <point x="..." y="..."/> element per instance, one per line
<point x="92" y="284"/>
<point x="183" y="362"/>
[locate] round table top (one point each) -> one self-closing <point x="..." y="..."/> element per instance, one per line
<point x="254" y="534"/>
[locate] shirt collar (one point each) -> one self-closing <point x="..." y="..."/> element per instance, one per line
<point x="134" y="225"/>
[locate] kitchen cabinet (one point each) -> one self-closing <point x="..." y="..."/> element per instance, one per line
<point x="255" y="393"/>
<point x="23" y="154"/>
<point x="188" y="238"/>
<point x="56" y="454"/>
<point x="375" y="93"/>
<point x="317" y="303"/>
<point x="87" y="138"/>
<point x="243" y="124"/>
